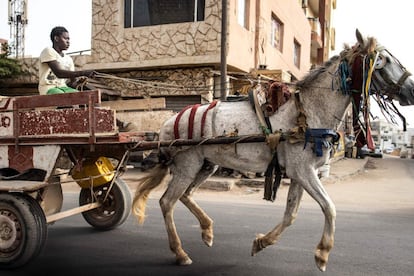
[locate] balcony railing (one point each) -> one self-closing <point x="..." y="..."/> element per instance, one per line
<point x="316" y="40"/>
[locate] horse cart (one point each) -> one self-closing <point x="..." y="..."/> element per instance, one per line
<point x="35" y="133"/>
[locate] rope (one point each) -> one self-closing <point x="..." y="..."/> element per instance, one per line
<point x="152" y="84"/>
<point x="82" y="82"/>
<point x="167" y="86"/>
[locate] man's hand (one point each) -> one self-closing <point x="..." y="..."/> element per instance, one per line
<point x="89" y="73"/>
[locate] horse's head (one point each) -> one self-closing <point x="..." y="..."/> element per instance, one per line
<point x="389" y="77"/>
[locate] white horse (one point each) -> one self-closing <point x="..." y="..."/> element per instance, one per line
<point x="324" y="106"/>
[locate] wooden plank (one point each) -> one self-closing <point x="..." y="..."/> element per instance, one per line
<point x="21" y="185"/>
<point x="77" y="98"/>
<point x="254" y="138"/>
<point x="19" y="91"/>
<point x="74" y="211"/>
<point x="105" y="139"/>
<point x="137" y="104"/>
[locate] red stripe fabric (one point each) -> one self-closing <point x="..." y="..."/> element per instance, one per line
<point x="191" y="121"/>
<point x="203" y="119"/>
<point x="177" y="121"/>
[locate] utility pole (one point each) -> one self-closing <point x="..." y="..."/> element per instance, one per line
<point x="223" y="62"/>
<point x="17" y="21"/>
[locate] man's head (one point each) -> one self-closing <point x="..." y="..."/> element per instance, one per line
<point x="60" y="38"/>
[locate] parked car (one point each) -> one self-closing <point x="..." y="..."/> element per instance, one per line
<point x="388" y="150"/>
<point x="364" y="152"/>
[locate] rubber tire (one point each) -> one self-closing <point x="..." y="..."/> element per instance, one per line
<point x="116" y="209"/>
<point x="26" y="218"/>
<point x="42" y="223"/>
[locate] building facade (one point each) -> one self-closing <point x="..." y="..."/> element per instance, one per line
<point x="172" y="48"/>
<point x="390" y="136"/>
<point x="145" y="40"/>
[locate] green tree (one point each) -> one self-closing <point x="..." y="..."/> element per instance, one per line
<point x="8" y="67"/>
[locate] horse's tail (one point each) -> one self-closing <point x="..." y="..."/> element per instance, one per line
<point x="146" y="185"/>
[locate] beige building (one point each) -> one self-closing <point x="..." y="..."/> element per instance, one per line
<point x="172" y="49"/>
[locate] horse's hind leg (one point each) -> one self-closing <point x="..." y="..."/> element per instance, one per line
<point x="184" y="170"/>
<point x="206" y="223"/>
<point x="292" y="205"/>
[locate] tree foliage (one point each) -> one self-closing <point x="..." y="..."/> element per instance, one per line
<point x="8" y="67"/>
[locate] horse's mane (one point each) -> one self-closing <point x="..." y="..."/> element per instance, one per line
<point x="348" y="54"/>
<point x="313" y="74"/>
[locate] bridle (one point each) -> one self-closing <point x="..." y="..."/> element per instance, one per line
<point x="380" y="75"/>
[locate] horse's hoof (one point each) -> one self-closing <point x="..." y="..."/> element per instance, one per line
<point x="321" y="265"/>
<point x="320" y="262"/>
<point x="184" y="261"/>
<point x="207" y="239"/>
<point x="257" y="245"/>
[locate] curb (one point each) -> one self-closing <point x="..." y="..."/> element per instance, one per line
<point x="340" y="169"/>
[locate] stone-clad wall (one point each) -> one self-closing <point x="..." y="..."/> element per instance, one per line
<point x="111" y="42"/>
<point x="181" y="54"/>
<point x="168" y="82"/>
<point x="133" y="83"/>
<point x="30" y="66"/>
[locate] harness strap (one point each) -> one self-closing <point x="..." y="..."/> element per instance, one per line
<point x="259" y="113"/>
<point x="177" y="121"/>
<point x="271" y="186"/>
<point x="191" y="121"/>
<point x="273" y="140"/>
<point x="203" y="118"/>
<point x="301" y="120"/>
<point x="403" y="78"/>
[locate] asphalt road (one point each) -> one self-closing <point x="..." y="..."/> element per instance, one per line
<point x="374" y="234"/>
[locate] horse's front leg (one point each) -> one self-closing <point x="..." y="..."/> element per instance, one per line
<point x="316" y="190"/>
<point x="292" y="205"/>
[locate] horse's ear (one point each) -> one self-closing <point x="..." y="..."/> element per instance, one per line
<point x="360" y="38"/>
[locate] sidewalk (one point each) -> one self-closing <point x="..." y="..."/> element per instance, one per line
<point x="343" y="168"/>
<point x="339" y="170"/>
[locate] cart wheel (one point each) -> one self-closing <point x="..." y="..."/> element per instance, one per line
<point x="23" y="230"/>
<point x="42" y="223"/>
<point x="114" y="211"/>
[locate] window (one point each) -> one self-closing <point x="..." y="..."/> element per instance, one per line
<point x="138" y="13"/>
<point x="296" y="53"/>
<point x="243" y="13"/>
<point x="276" y="35"/>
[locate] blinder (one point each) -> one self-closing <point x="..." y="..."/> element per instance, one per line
<point x="381" y="76"/>
<point x="380" y="62"/>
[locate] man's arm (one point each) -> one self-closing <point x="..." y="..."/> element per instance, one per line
<point x="67" y="74"/>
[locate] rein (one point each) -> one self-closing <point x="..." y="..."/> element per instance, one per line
<point x="359" y="76"/>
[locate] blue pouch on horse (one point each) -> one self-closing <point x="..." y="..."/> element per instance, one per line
<point x="319" y="135"/>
